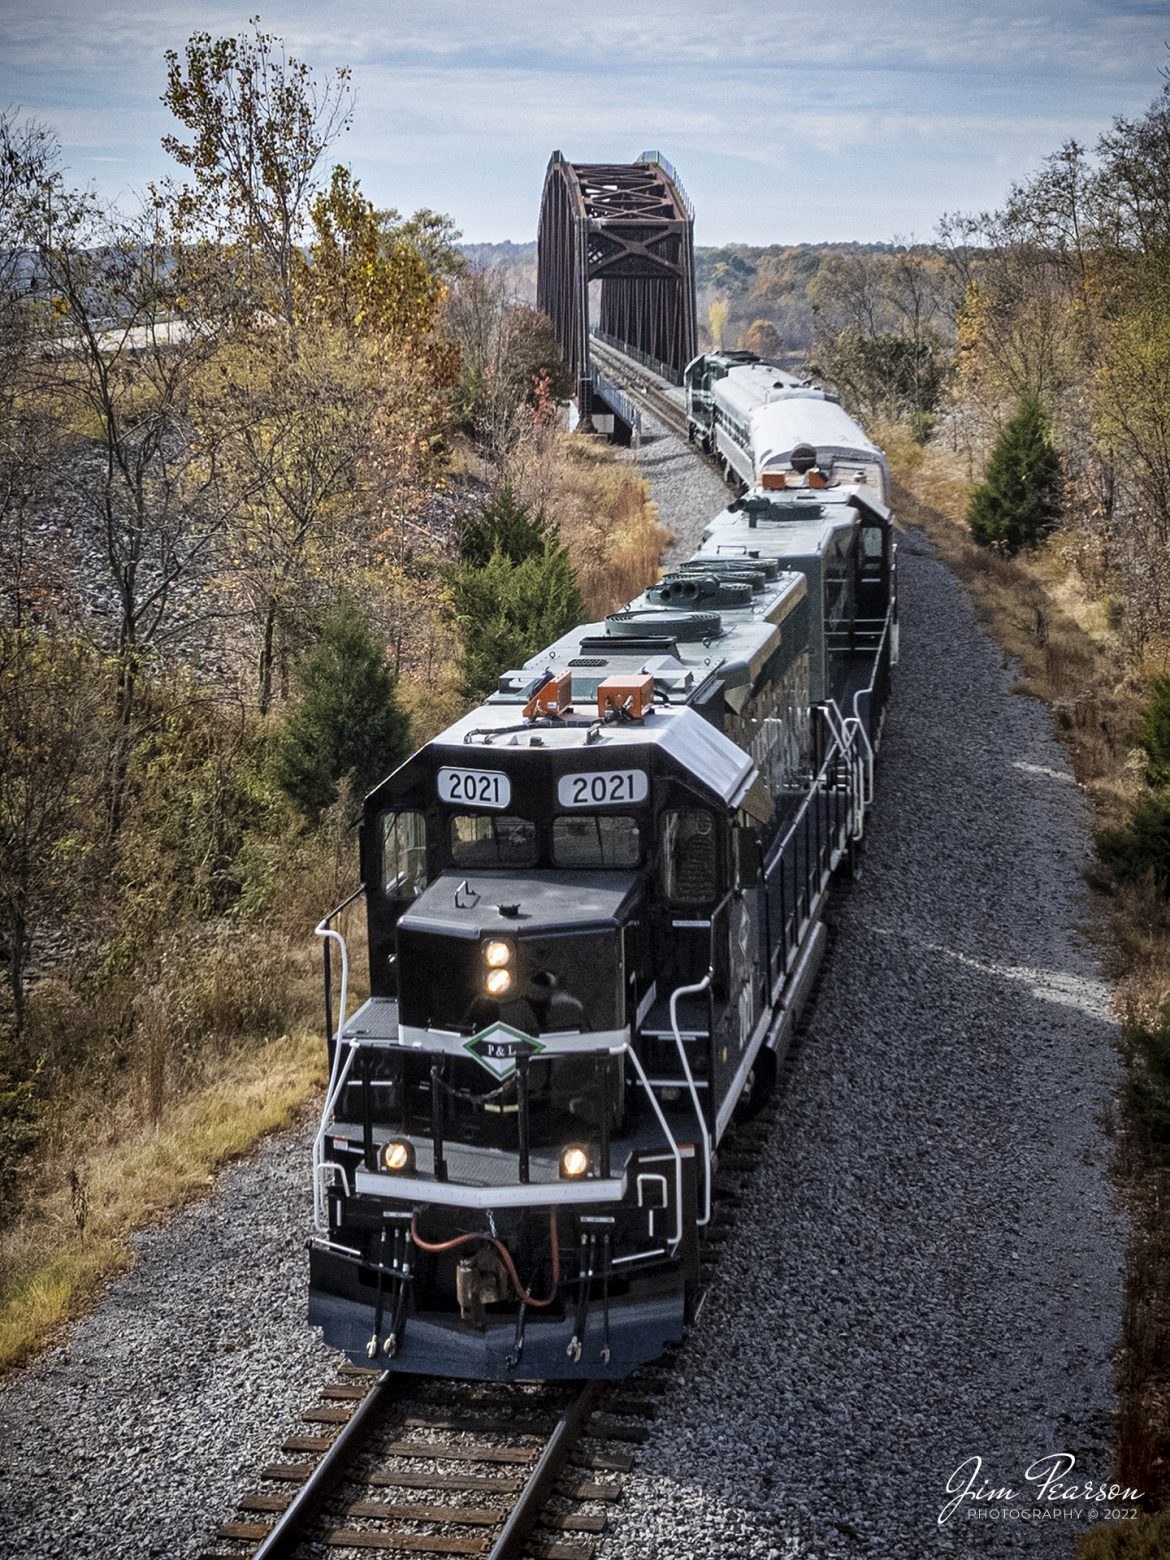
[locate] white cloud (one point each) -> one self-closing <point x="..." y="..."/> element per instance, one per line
<point x="917" y="109"/>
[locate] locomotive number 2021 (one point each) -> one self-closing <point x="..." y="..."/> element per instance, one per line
<point x="478" y="787"/>
<point x="603" y="788"/>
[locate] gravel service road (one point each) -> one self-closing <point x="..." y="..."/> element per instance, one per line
<point x="927" y="1268"/>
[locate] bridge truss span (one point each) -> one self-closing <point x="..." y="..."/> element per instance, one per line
<point x="630" y="227"/>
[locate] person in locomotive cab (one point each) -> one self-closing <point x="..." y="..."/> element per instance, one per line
<point x="803" y="461"/>
<point x="554" y="1007"/>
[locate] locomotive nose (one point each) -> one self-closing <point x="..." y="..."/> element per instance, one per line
<point x="539" y="954"/>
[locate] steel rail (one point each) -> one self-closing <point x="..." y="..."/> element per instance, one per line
<point x="632" y="378"/>
<point x="512" y="1538"/>
<point x="307" y="1503"/>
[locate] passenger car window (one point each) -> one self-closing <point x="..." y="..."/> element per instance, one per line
<point x="690" y="856"/>
<point x="492" y="840"/>
<point x="596" y="840"/>
<point x="404" y="854"/>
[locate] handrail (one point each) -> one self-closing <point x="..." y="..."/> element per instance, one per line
<point x="867" y="693"/>
<point x="636" y="355"/>
<point x="324" y="930"/>
<point x="815" y="787"/>
<point x="844" y="730"/>
<point x="779" y="854"/>
<point x="337" y="1072"/>
<point x="691" y="991"/>
<point x="671" y="173"/>
<point x="337" y="1082"/>
<point x="670" y="1143"/>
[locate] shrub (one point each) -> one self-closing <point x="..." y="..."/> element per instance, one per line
<point x="1143" y="845"/>
<point x="347" y="721"/>
<point x="510" y="610"/>
<point x="1149" y="1079"/>
<point x="1019" y="500"/>
<point x="1146" y="1539"/>
<point x="503" y="525"/>
<point x="1154" y="733"/>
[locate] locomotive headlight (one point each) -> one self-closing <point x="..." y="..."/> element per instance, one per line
<point x="398" y="1157"/>
<point x="574" y="1162"/>
<point x="498" y="983"/>
<point x="497" y="954"/>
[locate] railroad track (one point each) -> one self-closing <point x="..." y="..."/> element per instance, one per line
<point x="643" y="385"/>
<point x="415" y="1466"/>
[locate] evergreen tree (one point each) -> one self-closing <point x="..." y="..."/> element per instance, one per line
<point x="503" y="525"/>
<point x="1020" y="499"/>
<point x="347" y="721"/>
<point x="1154" y="733"/>
<point x="510" y="610"/>
<point x="1142" y="847"/>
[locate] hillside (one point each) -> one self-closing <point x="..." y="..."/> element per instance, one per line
<point x="772" y="287"/>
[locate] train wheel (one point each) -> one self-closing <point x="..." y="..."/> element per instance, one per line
<point x="758" y="1089"/>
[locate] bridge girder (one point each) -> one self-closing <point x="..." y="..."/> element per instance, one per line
<point x="631" y="227"/>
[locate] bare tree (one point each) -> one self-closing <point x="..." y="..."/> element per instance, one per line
<point x="127" y="351"/>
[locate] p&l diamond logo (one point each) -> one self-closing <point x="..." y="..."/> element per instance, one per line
<point x="498" y="1046"/>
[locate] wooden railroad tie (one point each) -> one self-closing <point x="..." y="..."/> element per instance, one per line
<point x="395" y="1511"/>
<point x="415" y="1543"/>
<point x="445" y="1452"/>
<point x="307" y="1443"/>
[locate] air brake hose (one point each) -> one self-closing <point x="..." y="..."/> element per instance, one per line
<point x="505" y="1255"/>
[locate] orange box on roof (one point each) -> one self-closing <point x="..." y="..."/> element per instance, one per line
<point x="632" y="693"/>
<point x="551" y="698"/>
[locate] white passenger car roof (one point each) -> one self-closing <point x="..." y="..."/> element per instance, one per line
<point x="804" y="418"/>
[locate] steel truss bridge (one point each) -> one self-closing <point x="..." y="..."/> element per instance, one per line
<point x="630" y="227"/>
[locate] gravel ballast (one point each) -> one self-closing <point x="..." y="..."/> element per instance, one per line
<point x="926" y="1268"/>
<point x="135" y="1438"/>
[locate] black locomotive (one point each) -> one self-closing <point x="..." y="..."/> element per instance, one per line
<point x="594" y="910"/>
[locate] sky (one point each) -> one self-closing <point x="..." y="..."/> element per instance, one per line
<point x="790" y="122"/>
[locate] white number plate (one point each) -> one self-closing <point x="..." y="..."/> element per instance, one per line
<point x="603" y="788"/>
<point x="475" y="787"/>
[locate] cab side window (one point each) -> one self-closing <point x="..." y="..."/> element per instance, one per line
<point x="871" y="552"/>
<point x="404" y="854"/>
<point x="689" y="856"/>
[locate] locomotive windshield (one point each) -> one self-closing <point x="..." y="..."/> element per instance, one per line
<point x="596" y="840"/>
<point x="492" y="840"/>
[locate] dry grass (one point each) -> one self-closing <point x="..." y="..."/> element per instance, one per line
<point x="74" y="1238"/>
<point x="209" y="1074"/>
<point x="604" y="515"/>
<point x="1146" y="1539"/>
<point x="1040" y="611"/>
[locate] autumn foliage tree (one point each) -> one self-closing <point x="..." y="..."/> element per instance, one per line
<point x="360" y="278"/>
<point x="260" y="123"/>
